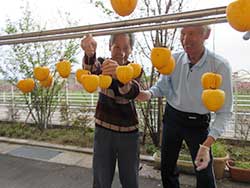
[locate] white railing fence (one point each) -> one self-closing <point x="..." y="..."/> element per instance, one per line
<point x="81" y="104"/>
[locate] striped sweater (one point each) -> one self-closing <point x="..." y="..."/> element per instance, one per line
<point x="114" y="109"/>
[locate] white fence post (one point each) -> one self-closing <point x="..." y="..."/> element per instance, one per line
<point x="67" y="101"/>
<point x="4" y="99"/>
<point x="12" y="103"/>
<point x="92" y="99"/>
<point x="29" y="98"/>
<point x="67" y="93"/>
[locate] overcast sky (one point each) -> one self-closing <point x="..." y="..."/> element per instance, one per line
<point x="224" y="40"/>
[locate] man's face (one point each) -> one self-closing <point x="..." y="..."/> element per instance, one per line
<point x="120" y="49"/>
<point x="192" y="39"/>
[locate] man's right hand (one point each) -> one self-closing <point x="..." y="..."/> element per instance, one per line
<point x="109" y="67"/>
<point x="88" y="44"/>
<point x="202" y="158"/>
<point x="143" y="96"/>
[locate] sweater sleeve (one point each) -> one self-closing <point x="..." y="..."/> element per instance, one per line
<point x="92" y="64"/>
<point x="130" y="90"/>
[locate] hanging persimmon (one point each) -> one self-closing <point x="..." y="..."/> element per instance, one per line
<point x="123" y="7"/>
<point x="210" y="80"/>
<point x="105" y="81"/>
<point x="160" y="56"/>
<point x="81" y="72"/>
<point x="213" y="99"/>
<point x="90" y="82"/>
<point x="63" y="67"/>
<point x="136" y="69"/>
<point x="238" y="15"/>
<point x="168" y="68"/>
<point x="124" y="73"/>
<point x="41" y="73"/>
<point x="48" y="82"/>
<point x="26" y="85"/>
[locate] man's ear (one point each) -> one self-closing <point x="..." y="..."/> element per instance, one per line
<point x="207" y="34"/>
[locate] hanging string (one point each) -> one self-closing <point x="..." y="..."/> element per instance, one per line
<point x="213" y="61"/>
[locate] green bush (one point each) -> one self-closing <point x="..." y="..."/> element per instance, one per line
<point x="240" y="164"/>
<point x="62" y="135"/>
<point x="219" y="149"/>
<point x="151" y="149"/>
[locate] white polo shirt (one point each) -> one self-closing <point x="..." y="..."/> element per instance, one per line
<point x="183" y="87"/>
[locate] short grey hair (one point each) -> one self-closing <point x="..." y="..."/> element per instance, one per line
<point x="206" y="28"/>
<point x="130" y="35"/>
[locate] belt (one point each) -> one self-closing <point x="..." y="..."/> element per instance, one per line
<point x="191" y="116"/>
<point x="115" y="127"/>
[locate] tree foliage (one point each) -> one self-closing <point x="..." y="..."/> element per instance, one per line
<point x="21" y="59"/>
<point x="152" y="111"/>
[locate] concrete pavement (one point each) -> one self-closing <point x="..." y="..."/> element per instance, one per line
<point x="26" y="164"/>
<point x="19" y="172"/>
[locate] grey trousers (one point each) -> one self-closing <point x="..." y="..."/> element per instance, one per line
<point x="109" y="147"/>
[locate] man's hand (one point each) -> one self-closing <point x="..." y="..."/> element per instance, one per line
<point x="143" y="96"/>
<point x="88" y="44"/>
<point x="202" y="158"/>
<point x="109" y="67"/>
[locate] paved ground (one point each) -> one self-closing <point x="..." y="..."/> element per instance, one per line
<point x="19" y="172"/>
<point x="25" y="164"/>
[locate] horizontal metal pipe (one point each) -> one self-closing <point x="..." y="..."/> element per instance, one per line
<point x="177" y="24"/>
<point x="124" y="23"/>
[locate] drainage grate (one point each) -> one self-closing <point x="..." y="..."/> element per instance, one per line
<point x="34" y="152"/>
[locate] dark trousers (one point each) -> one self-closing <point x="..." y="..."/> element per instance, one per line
<point x="109" y="147"/>
<point x="193" y="129"/>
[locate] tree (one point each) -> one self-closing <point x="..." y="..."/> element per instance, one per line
<point x="152" y="111"/>
<point x="21" y="59"/>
